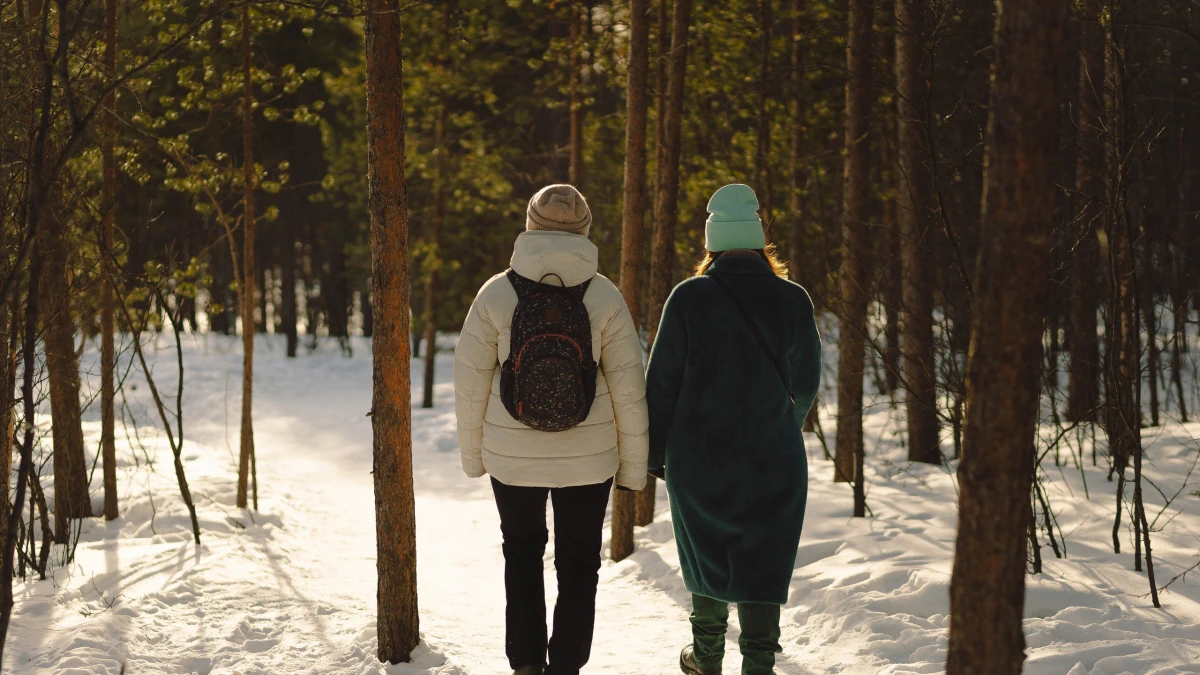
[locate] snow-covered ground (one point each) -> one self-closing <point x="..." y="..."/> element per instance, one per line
<point x="291" y="588"/>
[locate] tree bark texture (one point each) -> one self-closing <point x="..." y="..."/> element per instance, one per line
<point x="8" y="376"/>
<point x="246" y="289"/>
<point x="912" y="194"/>
<point x="633" y="218"/>
<point x="762" y="156"/>
<point x="1083" y="393"/>
<point x="1003" y="382"/>
<point x="71" y="498"/>
<point x="799" y="176"/>
<point x="436" y="225"/>
<point x="575" y="106"/>
<point x="28" y="349"/>
<point x="108" y="444"/>
<point x="887" y="247"/>
<point x="391" y="416"/>
<point x="663" y="37"/>
<point x="296" y="212"/>
<point x="1122" y="374"/>
<point x="852" y="278"/>
<point x="1146" y="285"/>
<point x="666" y="202"/>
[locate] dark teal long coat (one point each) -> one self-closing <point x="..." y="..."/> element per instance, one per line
<point x="726" y="433"/>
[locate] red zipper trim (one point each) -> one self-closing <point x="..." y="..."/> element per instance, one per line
<point x="557" y="335"/>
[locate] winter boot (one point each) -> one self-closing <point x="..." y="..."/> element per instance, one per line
<point x="687" y="663"/>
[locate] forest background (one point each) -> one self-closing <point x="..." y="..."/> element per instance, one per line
<point x="202" y="167"/>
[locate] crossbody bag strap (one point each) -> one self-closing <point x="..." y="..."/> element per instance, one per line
<point x="762" y="342"/>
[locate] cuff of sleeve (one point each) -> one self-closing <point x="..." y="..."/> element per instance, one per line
<point x="473" y="466"/>
<point x="632" y="476"/>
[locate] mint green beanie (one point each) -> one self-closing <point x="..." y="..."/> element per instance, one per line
<point x="733" y="221"/>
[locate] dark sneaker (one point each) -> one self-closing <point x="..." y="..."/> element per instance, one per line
<point x="528" y="670"/>
<point x="687" y="663"/>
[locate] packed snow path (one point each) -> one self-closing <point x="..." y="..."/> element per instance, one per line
<point x="291" y="588"/>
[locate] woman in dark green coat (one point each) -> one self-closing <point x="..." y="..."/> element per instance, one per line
<point x="734" y="370"/>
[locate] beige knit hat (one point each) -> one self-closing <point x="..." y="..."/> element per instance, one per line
<point x="560" y="208"/>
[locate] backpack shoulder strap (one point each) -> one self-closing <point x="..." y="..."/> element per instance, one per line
<point x="762" y="342"/>
<point x="524" y="287"/>
<point x="579" y="291"/>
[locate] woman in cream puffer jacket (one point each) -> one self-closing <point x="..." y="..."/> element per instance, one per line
<point x="612" y="440"/>
<point x="576" y="468"/>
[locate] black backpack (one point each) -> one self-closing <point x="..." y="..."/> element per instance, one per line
<point x="548" y="382"/>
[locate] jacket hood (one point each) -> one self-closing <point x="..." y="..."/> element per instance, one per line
<point x="573" y="257"/>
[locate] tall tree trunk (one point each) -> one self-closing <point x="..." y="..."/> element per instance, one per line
<point x="8" y="381"/>
<point x="1083" y="394"/>
<point x="912" y="191"/>
<point x="1179" y="289"/>
<point x="246" y="287"/>
<point x="1149" y="311"/>
<point x="799" y="176"/>
<point x="262" y="288"/>
<point x="436" y="225"/>
<point x="1122" y="373"/>
<point x="391" y="415"/>
<point x="71" y="499"/>
<point x="26" y="468"/>
<point x="666" y="204"/>
<point x="108" y="443"/>
<point x="632" y="221"/>
<point x="852" y="278"/>
<point x="660" y="139"/>
<point x="287" y="274"/>
<point x="575" y="63"/>
<point x="987" y="589"/>
<point x="762" y="155"/>
<point x="887" y="248"/>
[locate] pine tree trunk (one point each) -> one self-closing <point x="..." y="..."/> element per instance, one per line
<point x="246" y="289"/>
<point x="852" y="277"/>
<point x="633" y="215"/>
<point x="912" y="190"/>
<point x="666" y="204"/>
<point x="28" y="349"/>
<point x="648" y="316"/>
<point x="798" y="268"/>
<point x="8" y="376"/>
<point x="439" y="219"/>
<point x="262" y="288"/>
<point x="1150" y="318"/>
<point x="987" y="590"/>
<point x="287" y="274"/>
<point x="887" y="253"/>
<point x="575" y="105"/>
<point x="1083" y="394"/>
<point x="108" y="445"/>
<point x="1179" y="276"/>
<point x="1122" y="417"/>
<point x="762" y="156"/>
<point x="71" y="499"/>
<point x="391" y="416"/>
<point x="799" y="176"/>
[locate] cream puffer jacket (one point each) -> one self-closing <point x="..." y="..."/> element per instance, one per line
<point x="613" y="440"/>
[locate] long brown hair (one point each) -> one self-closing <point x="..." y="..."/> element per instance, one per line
<point x="769" y="254"/>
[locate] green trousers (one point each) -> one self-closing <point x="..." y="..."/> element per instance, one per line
<point x="759" y="641"/>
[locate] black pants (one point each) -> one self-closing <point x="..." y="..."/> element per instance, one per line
<point x="578" y="531"/>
